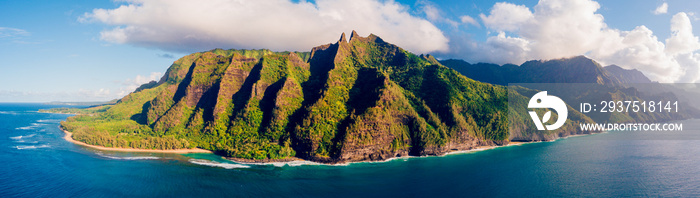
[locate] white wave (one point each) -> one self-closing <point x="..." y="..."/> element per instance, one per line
<point x="21" y="139"/>
<point x="216" y="164"/>
<point x="8" y="112"/>
<point x="32" y="147"/>
<point x="30" y="127"/>
<point x="282" y="164"/>
<point x="294" y="163"/>
<point x="133" y="158"/>
<point x="22" y="136"/>
<point x="49" y="121"/>
<point x="25" y="128"/>
<point x="129" y="158"/>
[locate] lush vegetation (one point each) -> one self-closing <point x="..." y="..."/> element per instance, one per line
<point x="357" y="99"/>
<point x="352" y="100"/>
<point x="586" y="81"/>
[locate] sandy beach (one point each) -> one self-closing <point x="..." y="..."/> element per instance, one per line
<point x="69" y="137"/>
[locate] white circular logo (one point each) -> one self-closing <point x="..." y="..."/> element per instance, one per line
<point x="542" y="100"/>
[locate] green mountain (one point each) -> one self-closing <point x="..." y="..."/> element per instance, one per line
<point x="577" y="69"/>
<point x="358" y="99"/>
<point x="583" y="80"/>
<point x="352" y="100"/>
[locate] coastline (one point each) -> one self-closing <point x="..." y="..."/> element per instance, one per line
<point x="69" y="137"/>
<point x="297" y="161"/>
<point x="288" y="161"/>
<point x="483" y="148"/>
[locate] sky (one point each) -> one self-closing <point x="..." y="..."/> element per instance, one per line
<point x="96" y="50"/>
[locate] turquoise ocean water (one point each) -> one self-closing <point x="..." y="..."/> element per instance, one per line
<point x="36" y="162"/>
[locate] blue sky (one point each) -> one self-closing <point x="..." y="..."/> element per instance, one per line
<point x="101" y="50"/>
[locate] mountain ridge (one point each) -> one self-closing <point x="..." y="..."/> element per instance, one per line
<point x="357" y="99"/>
<point x="360" y="99"/>
<point x="576" y="69"/>
<point x="582" y="80"/>
<point x="627" y="76"/>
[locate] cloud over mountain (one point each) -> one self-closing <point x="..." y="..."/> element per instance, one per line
<point x="549" y="30"/>
<point x="559" y="28"/>
<point x="187" y="26"/>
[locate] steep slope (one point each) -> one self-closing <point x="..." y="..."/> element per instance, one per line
<point x="581" y="80"/>
<point x="352" y="100"/>
<point x="626" y="76"/>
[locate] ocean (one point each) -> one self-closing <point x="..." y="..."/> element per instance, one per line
<point x="37" y="162"/>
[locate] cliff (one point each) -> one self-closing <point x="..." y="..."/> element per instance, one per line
<point x="353" y="100"/>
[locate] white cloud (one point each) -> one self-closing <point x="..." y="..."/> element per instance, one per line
<point x="563" y="28"/>
<point x="507" y="17"/>
<point x="662" y="9"/>
<point x="469" y="21"/>
<point x="433" y="14"/>
<point x="505" y="46"/>
<point x="131" y="84"/>
<point x="186" y="26"/>
<point x="682" y="39"/>
<point x="642" y="50"/>
<point x="690" y="64"/>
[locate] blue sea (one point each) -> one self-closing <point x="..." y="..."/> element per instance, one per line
<point x="35" y="161"/>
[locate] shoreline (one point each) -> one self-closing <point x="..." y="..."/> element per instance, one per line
<point x="69" y="137"/>
<point x="483" y="148"/>
<point x="298" y="161"/>
<point x="292" y="161"/>
<point x="477" y="149"/>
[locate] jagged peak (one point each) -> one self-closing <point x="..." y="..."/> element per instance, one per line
<point x="342" y="38"/>
<point x="354" y="35"/>
<point x="371" y="38"/>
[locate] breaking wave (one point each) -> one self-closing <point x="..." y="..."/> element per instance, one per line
<point x="22" y="136"/>
<point x="49" y="121"/>
<point x="282" y="164"/>
<point x="128" y="158"/>
<point x="216" y="164"/>
<point x="32" y="147"/>
<point x="8" y="112"/>
<point x="30" y="127"/>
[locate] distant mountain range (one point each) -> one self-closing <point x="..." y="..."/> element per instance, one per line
<point x="577" y="69"/>
<point x="626" y="76"/>
<point x="357" y="99"/>
<point x="582" y="80"/>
